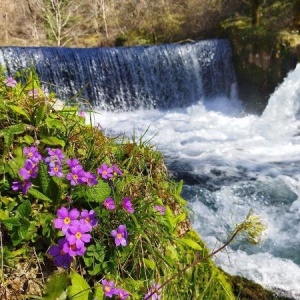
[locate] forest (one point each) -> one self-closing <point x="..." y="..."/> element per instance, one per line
<point x="98" y="23"/>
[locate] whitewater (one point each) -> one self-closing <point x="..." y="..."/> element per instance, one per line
<point x="233" y="162"/>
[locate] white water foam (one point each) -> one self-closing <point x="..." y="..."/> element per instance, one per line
<point x="253" y="162"/>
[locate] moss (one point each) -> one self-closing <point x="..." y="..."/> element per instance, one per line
<point x="245" y="289"/>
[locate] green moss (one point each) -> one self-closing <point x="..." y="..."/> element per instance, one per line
<point x="246" y="289"/>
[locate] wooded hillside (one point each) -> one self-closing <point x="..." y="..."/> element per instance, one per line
<point x="92" y="23"/>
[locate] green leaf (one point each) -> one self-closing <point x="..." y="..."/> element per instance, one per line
<point x="179" y="187"/>
<point x="3" y="214"/>
<point x="190" y="243"/>
<point x="13" y="129"/>
<point x="29" y="140"/>
<point x="99" y="293"/>
<point x="11" y="223"/>
<point x="97" y="193"/>
<point x="53" y="141"/>
<point x="25" y="209"/>
<point x="56" y="287"/>
<point x="24" y="229"/>
<point x="96" y="270"/>
<point x="54" y="123"/>
<point x="180" y="218"/>
<point x="149" y="263"/>
<point x="79" y="290"/>
<point x="19" y="110"/>
<point x="8" y="138"/>
<point x="8" y="133"/>
<point x="15" y="238"/>
<point x="14" y="165"/>
<point x="38" y="195"/>
<point x="43" y="177"/>
<point x="40" y="115"/>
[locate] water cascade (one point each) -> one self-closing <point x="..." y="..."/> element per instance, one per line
<point x="231" y="161"/>
<point x="163" y="76"/>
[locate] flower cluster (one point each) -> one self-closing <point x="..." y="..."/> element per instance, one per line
<point x="109" y="204"/>
<point x="77" y="175"/>
<point x="55" y="162"/>
<point x="29" y="169"/>
<point x="75" y="226"/>
<point x="110" y="290"/>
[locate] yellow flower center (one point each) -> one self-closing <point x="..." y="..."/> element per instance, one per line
<point x="67" y="220"/>
<point x="75" y="176"/>
<point x="78" y="234"/>
<point x="107" y="289"/>
<point x="119" y="235"/>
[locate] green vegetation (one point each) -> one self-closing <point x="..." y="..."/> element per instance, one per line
<point x="85" y="216"/>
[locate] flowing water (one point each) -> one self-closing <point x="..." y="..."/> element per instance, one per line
<point x="233" y="162"/>
<point x="181" y="97"/>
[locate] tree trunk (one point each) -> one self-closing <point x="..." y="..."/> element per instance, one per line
<point x="255" y="5"/>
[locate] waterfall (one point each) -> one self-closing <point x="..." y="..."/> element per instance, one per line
<point x="232" y="163"/>
<point x="127" y="78"/>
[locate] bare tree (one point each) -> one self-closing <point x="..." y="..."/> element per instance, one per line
<point x="58" y="14"/>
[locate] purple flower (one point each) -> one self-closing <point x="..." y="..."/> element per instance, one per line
<point x="116" y="170"/>
<point x="29" y="170"/>
<point x="89" y="218"/>
<point x="105" y="171"/>
<point x="73" y="162"/>
<point x="32" y="153"/>
<point x="10" y="82"/>
<point x="34" y="93"/>
<point x="22" y="186"/>
<point x="120" y="235"/>
<point x="121" y="294"/>
<point x="65" y="218"/>
<point x="108" y="288"/>
<point x="81" y="114"/>
<point x="90" y="179"/>
<point x="127" y="205"/>
<point x="109" y="203"/>
<point x="154" y="292"/>
<point x="160" y="209"/>
<point x="73" y="250"/>
<point x="76" y="176"/>
<point x="61" y="258"/>
<point x="55" y="157"/>
<point x="56" y="171"/>
<point x="77" y="234"/>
